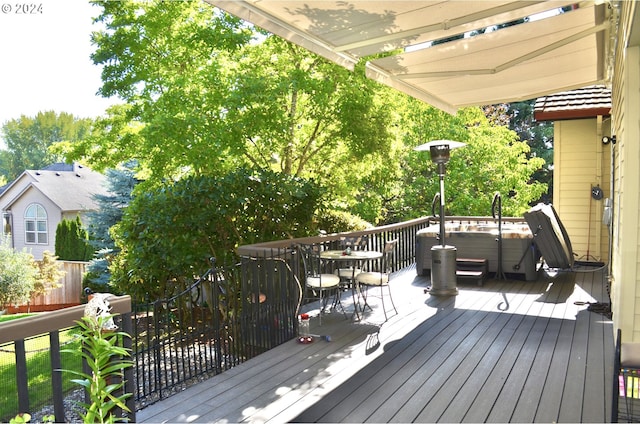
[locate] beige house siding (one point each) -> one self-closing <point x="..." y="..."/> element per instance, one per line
<point x="626" y="260"/>
<point x="582" y="162"/>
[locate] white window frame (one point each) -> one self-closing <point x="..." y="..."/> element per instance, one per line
<point x="36" y="229"/>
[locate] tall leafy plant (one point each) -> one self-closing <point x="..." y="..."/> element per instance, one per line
<point x="106" y="360"/>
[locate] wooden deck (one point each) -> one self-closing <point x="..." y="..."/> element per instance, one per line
<point x="509" y="351"/>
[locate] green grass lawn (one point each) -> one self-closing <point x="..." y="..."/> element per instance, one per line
<point x="5" y="318"/>
<point x="38" y="370"/>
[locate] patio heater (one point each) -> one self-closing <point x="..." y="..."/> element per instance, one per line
<point x="443" y="257"/>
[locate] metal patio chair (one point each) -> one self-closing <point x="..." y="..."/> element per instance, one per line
<point x="318" y="284"/>
<point x="372" y="280"/>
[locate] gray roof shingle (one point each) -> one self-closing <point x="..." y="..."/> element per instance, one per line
<point x="71" y="187"/>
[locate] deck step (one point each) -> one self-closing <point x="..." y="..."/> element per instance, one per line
<point x="472" y="268"/>
<point x="464" y="273"/>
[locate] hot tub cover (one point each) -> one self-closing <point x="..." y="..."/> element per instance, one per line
<point x="550" y="236"/>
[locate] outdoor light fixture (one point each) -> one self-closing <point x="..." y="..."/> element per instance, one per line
<point x="607" y="140"/>
<point x="443" y="257"/>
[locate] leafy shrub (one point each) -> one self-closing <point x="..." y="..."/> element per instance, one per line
<point x="18" y="273"/>
<point x="168" y="234"/>
<point x="334" y="221"/>
<point x="49" y="274"/>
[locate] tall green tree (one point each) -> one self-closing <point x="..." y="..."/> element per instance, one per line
<point x="301" y="115"/>
<point x="168" y="62"/>
<point x="121" y="182"/>
<point x="28" y="140"/>
<point x="494" y="160"/>
<point x="205" y="94"/>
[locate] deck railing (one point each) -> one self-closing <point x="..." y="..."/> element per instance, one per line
<point x="28" y="365"/>
<point x="235" y="312"/>
<point x="230" y="314"/>
<point x="404" y="232"/>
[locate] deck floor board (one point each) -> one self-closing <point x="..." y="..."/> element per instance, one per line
<point x="438" y="390"/>
<point x="422" y="373"/>
<point x="509" y="351"/>
<point x="531" y="393"/>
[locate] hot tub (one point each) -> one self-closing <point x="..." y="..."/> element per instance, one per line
<point x="477" y="238"/>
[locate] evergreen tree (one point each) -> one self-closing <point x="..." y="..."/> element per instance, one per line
<point x="62" y="238"/>
<point x="120" y="184"/>
<point x="72" y="241"/>
<point x="539" y="136"/>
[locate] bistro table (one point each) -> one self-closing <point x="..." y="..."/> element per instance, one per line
<point x="354" y="256"/>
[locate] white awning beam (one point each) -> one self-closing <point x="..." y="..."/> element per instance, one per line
<point x="453" y="27"/>
<point x="520" y="62"/>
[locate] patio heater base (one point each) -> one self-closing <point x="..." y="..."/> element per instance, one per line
<point x="443" y="271"/>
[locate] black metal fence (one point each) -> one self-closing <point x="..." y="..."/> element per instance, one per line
<point x="228" y="315"/>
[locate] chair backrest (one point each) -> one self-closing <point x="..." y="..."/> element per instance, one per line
<point x="355" y="242"/>
<point x="310" y="259"/>
<point x="389" y="256"/>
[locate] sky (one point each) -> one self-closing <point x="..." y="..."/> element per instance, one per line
<point x="44" y="60"/>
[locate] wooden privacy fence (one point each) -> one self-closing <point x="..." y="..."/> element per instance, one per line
<point x="68" y="294"/>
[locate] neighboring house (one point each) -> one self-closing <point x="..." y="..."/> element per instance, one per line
<point x="582" y="166"/>
<point x="35" y="202"/>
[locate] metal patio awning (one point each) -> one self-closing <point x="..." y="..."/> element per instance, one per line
<point x="520" y="62"/>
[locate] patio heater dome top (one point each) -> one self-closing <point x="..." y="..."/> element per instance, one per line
<point x="439" y="150"/>
<point x="452" y="144"/>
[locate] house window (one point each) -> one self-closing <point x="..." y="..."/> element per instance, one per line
<point x="35" y="224"/>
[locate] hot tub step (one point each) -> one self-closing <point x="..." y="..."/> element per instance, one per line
<point x="472" y="268"/>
